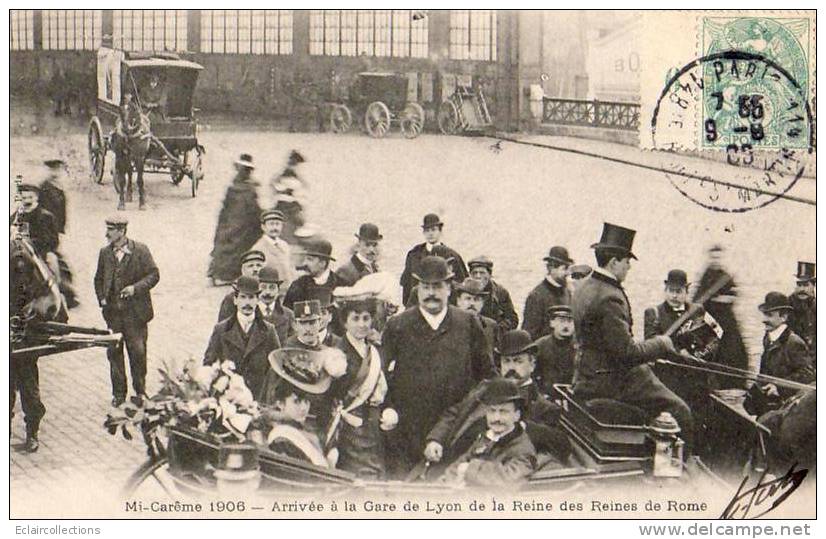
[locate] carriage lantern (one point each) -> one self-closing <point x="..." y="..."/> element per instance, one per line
<point x="238" y="471"/>
<point x="668" y="447"/>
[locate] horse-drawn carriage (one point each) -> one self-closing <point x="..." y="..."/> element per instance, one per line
<point x="144" y="109"/>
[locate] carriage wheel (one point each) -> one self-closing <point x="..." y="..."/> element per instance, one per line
<point x="340" y="119"/>
<point x="448" y="118"/>
<point x="412" y="121"/>
<point x="176" y="173"/>
<point x="377" y="119"/>
<point x="197" y="171"/>
<point x="97" y="151"/>
<point x="152" y="481"/>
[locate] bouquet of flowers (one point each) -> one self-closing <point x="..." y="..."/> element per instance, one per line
<point x="212" y="399"/>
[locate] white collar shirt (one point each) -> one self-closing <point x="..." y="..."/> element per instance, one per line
<point x="322" y="279"/>
<point x="776" y="332"/>
<point x="434" y="320"/>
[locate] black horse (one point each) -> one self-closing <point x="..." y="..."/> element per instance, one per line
<point x="131" y="141"/>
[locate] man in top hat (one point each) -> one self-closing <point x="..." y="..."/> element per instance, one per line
<point x="318" y="254"/>
<point x="246" y="338"/>
<point x="125" y="275"/>
<point x="364" y="260"/>
<point x="803" y="319"/>
<point x="503" y="455"/>
<point x="553" y="290"/>
<point x="277" y="252"/>
<point x="471" y="297"/>
<point x="238" y="224"/>
<point x="269" y="303"/>
<point x="462" y="423"/>
<point x="612" y="364"/>
<point x="52" y="196"/>
<point x="42" y="229"/>
<point x="498" y="304"/>
<point x="432" y="229"/>
<point x="557" y="350"/>
<point x="435" y="354"/>
<point x="251" y="264"/>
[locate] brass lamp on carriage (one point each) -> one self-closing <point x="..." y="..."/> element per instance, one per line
<point x="668" y="446"/>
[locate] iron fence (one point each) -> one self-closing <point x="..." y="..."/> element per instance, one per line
<point x="609" y="114"/>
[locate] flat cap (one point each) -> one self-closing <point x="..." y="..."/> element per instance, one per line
<point x="251" y="256"/>
<point x="117" y="221"/>
<point x="266" y="215"/>
<point x="480" y="261"/>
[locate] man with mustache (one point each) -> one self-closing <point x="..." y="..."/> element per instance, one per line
<point x="462" y="423"/>
<point x="803" y="319"/>
<point x="364" y="261"/>
<point x="251" y="264"/>
<point x="277" y="252"/>
<point x="498" y="304"/>
<point x="556" y="352"/>
<point x="269" y="303"/>
<point x="246" y="338"/>
<point x="472" y="297"/>
<point x="435" y="354"/>
<point x="317" y="258"/>
<point x="553" y="290"/>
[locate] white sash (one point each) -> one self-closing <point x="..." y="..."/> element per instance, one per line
<point x="368" y="387"/>
<point x="299" y="440"/>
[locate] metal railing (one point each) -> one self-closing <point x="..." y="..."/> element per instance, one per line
<point x="608" y="114"/>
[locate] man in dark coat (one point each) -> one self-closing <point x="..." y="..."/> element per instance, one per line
<point x="52" y="196"/>
<point x="803" y="319"/>
<point x="435" y="353"/>
<point x="556" y="352"/>
<point x="269" y="304"/>
<point x="251" y="264"/>
<point x="553" y="290"/>
<point x="498" y="304"/>
<point x="432" y="229"/>
<point x="238" y="226"/>
<point x="125" y="275"/>
<point x="317" y="257"/>
<point x="40" y="223"/>
<point x="363" y="261"/>
<point x="246" y="338"/>
<point x="612" y="364"/>
<point x="472" y="297"/>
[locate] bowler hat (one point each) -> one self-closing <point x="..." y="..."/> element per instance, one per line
<point x="319" y="247"/>
<point x="775" y="301"/>
<point x="369" y="232"/>
<point x="806" y="272"/>
<point x="431" y="219"/>
<point x="269" y="274"/>
<point x="253" y="255"/>
<point x="237" y="461"/>
<point x="301" y="368"/>
<point x="501" y="390"/>
<point x="28" y="187"/>
<point x="558" y="254"/>
<point x="246" y="285"/>
<point x="245" y="160"/>
<point x="472" y="286"/>
<point x="580" y="271"/>
<point x="676" y="277"/>
<point x="266" y="215"/>
<point x="433" y="269"/>
<point x="516" y="341"/>
<point x="616" y="238"/>
<point x="482" y="262"/>
<point x="117" y="221"/>
<point x="561" y="311"/>
<point x="307" y="310"/>
<point x="54" y="163"/>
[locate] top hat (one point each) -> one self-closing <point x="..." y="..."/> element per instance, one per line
<point x="558" y="254"/>
<point x="253" y="255"/>
<point x="245" y="160"/>
<point x="307" y="310"/>
<point x="54" y="163"/>
<point x="501" y="390"/>
<point x="806" y="272"/>
<point x="296" y="157"/>
<point x="616" y="238"/>
<point x="266" y="215"/>
<point x="320" y="248"/>
<point x="516" y="341"/>
<point x="472" y="286"/>
<point x="676" y="277"/>
<point x="580" y="271"/>
<point x="117" y="221"/>
<point x="246" y="285"/>
<point x="269" y="274"/>
<point x="561" y="311"/>
<point x="775" y="301"/>
<point x="301" y="368"/>
<point x="433" y="269"/>
<point x="431" y="219"/>
<point x="369" y="232"/>
<point x="237" y="461"/>
<point x="482" y="262"/>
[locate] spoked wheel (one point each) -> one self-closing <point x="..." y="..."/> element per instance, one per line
<point x="412" y="121"/>
<point x="448" y="118"/>
<point x="153" y="480"/>
<point x="377" y="119"/>
<point x="97" y="151"/>
<point x="197" y="170"/>
<point x="340" y="119"/>
<point x="178" y="174"/>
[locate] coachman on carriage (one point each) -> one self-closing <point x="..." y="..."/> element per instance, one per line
<point x="144" y="114"/>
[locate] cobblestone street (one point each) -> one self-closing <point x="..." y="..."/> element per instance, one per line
<point x="511" y="204"/>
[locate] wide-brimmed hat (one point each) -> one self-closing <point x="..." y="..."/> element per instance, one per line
<point x="369" y="232"/>
<point x="616" y="238"/>
<point x="775" y="301"/>
<point x="482" y="262"/>
<point x="501" y="390"/>
<point x="252" y="256"/>
<point x="117" y="221"/>
<point x="269" y="274"/>
<point x="247" y="285"/>
<point x="472" y="286"/>
<point x="302" y="368"/>
<point x="516" y="341"/>
<point x="307" y="310"/>
<point x="806" y="272"/>
<point x="560" y="311"/>
<point x="433" y="269"/>
<point x="237" y="461"/>
<point x="431" y="219"/>
<point x="559" y="255"/>
<point x="319" y="247"/>
<point x="245" y="160"/>
<point x="266" y="215"/>
<point x="676" y="277"/>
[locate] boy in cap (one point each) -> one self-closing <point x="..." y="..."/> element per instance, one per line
<point x="364" y="260"/>
<point x="803" y="319"/>
<point x="556" y="351"/>
<point x="498" y="305"/>
<point x="472" y="297"/>
<point x="251" y="264"/>
<point x="553" y="290"/>
<point x="277" y="252"/>
<point x="269" y="303"/>
<point x="432" y="229"/>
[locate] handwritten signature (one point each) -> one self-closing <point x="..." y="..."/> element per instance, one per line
<point x="765" y="495"/>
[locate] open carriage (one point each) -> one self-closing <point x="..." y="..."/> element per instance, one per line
<point x="165" y="101"/>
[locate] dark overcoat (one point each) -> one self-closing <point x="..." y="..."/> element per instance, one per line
<point x="305" y="288"/>
<point x="238" y="229"/>
<point x="658" y="319"/>
<point x="803" y="319"/>
<point x="499" y="306"/>
<point x="139" y="270"/>
<point x="417" y="254"/>
<point x="787" y="357"/>
<point x="508" y="462"/>
<point x="349" y="273"/>
<point x="42" y="229"/>
<point x="536" y="319"/>
<point x="554" y="362"/>
<point x="53" y="199"/>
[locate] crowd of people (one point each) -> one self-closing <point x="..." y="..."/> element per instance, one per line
<point x="442" y="380"/>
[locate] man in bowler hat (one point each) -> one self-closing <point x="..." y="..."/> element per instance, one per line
<point x="318" y="254"/>
<point x="125" y="275"/>
<point x="803" y="319"/>
<point x="251" y="264"/>
<point x="498" y="304"/>
<point x="364" y="260"/>
<point x="269" y="303"/>
<point x="553" y="290"/>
